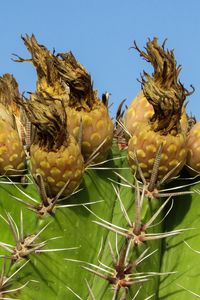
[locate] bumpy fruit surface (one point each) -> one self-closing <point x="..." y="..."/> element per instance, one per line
<point x="58" y="167"/>
<point x="12" y="155"/>
<point x="54" y="154"/>
<point x="97" y="128"/>
<point x="145" y="144"/>
<point x="193" y="144"/>
<point x="154" y="119"/>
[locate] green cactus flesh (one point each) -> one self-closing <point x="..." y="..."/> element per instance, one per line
<point x="80" y="244"/>
<point x="52" y="273"/>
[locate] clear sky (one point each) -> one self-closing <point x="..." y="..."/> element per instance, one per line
<point x="100" y="33"/>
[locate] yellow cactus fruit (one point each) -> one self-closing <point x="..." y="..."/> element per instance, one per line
<point x="145" y="143"/>
<point x="97" y="127"/>
<point x="160" y="126"/>
<point x="193" y="144"/>
<point x="12" y="154"/>
<point x="54" y="154"/>
<point x="85" y="110"/>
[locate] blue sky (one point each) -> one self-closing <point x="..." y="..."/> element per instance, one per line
<point x="100" y="33"/>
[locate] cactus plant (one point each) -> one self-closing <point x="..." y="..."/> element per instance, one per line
<point x="112" y="237"/>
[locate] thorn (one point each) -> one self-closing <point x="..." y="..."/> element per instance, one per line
<point x="189" y="291"/>
<point x="90" y="290"/>
<point x="136" y="294"/>
<point x="75" y="294"/>
<point x="196" y="251"/>
<point x="56" y="250"/>
<point x="94" y="154"/>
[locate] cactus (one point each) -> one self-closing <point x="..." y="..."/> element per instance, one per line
<point x="110" y="236"/>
